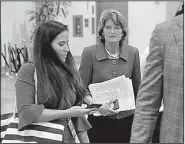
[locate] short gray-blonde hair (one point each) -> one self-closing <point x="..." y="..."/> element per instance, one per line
<point x="117" y="17"/>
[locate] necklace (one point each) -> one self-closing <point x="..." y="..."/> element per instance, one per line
<point x="112" y="55"/>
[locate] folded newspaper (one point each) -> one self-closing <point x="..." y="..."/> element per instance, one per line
<point x="118" y="88"/>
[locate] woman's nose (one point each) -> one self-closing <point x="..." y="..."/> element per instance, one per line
<point x="112" y="30"/>
<point x="66" y="49"/>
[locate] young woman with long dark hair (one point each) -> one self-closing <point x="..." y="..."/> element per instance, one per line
<point x="60" y="92"/>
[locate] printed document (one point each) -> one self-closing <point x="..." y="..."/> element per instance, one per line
<point x="118" y="88"/>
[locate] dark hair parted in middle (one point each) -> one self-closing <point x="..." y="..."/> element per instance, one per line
<point x="118" y="20"/>
<point x="55" y="76"/>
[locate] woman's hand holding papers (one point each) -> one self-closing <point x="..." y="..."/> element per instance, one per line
<point x="106" y="109"/>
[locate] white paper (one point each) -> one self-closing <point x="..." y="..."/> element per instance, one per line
<point x="118" y="88"/>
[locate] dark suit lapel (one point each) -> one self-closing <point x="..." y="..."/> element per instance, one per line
<point x="179" y="35"/>
<point x="101" y="53"/>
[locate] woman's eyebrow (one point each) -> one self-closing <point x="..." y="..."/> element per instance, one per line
<point x="63" y="41"/>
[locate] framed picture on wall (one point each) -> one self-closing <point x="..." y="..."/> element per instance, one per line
<point x="78" y="26"/>
<point x="86" y="22"/>
<point x="93" y="25"/>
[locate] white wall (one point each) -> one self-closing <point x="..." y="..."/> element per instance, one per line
<point x="142" y="18"/>
<point x="77" y="44"/>
<point x="13" y="14"/>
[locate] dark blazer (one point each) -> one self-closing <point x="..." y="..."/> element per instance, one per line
<point x="95" y="67"/>
<point x="163" y="78"/>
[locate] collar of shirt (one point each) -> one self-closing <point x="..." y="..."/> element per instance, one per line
<point x="101" y="53"/>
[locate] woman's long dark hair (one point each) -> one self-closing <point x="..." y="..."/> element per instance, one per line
<point x="56" y="77"/>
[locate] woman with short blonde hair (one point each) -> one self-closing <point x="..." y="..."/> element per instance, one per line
<point x="108" y="59"/>
<point x="117" y="18"/>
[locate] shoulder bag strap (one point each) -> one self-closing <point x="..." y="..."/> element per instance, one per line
<point x="35" y="79"/>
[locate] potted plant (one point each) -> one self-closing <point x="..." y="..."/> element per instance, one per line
<point x="45" y="10"/>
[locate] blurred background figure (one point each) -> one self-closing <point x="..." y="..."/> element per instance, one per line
<point x="143" y="60"/>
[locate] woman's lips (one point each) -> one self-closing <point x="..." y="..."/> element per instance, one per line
<point x="112" y="36"/>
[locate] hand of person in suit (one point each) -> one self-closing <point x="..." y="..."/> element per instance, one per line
<point x="106" y="109"/>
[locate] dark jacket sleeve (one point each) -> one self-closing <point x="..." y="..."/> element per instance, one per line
<point x="28" y="111"/>
<point x="85" y="69"/>
<point x="136" y="73"/>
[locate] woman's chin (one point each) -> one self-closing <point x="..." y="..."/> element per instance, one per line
<point x="62" y="59"/>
